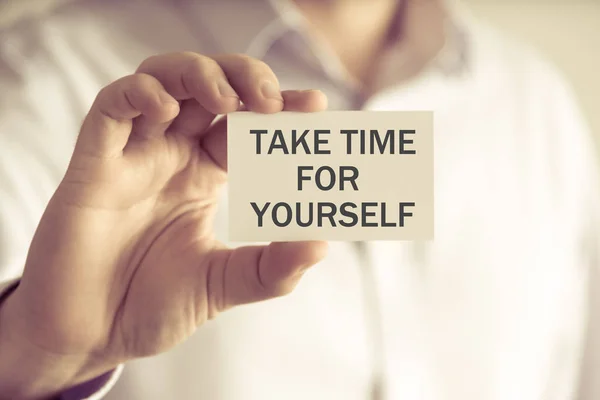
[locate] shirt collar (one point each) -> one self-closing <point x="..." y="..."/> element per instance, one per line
<point x="256" y="25"/>
<point x="242" y="26"/>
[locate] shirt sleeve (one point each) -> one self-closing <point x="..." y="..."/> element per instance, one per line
<point x="589" y="382"/>
<point x="94" y="389"/>
<point x="579" y="170"/>
<point x="589" y="185"/>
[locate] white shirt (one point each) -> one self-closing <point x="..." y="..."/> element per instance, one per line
<point x="495" y="308"/>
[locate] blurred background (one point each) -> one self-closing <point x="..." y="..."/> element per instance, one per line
<point x="565" y="31"/>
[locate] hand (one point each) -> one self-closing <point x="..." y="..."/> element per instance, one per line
<point x="124" y="263"/>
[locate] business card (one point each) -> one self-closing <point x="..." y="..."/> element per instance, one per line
<point x="333" y="175"/>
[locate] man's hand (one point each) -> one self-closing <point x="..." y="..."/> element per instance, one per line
<point x="124" y="263"/>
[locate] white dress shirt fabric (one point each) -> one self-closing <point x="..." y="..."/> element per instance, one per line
<point x="495" y="308"/>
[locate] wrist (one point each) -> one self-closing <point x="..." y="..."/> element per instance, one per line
<point x="30" y="372"/>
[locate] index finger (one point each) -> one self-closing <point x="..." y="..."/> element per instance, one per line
<point x="218" y="83"/>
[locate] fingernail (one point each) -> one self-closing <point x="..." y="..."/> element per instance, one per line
<point x="226" y="90"/>
<point x="271" y="91"/>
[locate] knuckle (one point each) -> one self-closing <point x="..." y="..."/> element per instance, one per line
<point x="189" y="54"/>
<point x="104" y="92"/>
<point x="199" y="71"/>
<point x="241" y="57"/>
<point x="251" y="66"/>
<point x="203" y="65"/>
<point x="135" y="91"/>
<point x="145" y="65"/>
<point x="137" y="88"/>
<point x="139" y="80"/>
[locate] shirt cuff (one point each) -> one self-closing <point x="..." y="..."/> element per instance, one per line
<point x="94" y="389"/>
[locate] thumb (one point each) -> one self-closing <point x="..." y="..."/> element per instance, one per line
<point x="256" y="273"/>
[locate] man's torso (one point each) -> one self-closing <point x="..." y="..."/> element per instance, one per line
<point x="493" y="308"/>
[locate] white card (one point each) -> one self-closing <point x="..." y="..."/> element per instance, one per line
<point x="333" y="175"/>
